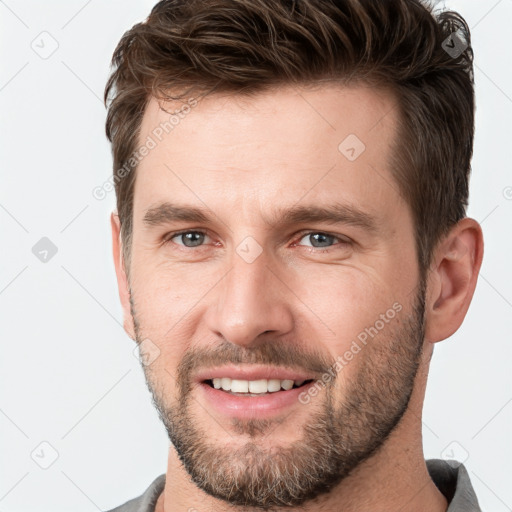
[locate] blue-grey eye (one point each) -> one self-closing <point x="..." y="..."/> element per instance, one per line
<point x="190" y="238"/>
<point x="319" y="239"/>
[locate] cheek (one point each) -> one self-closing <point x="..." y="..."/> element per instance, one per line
<point x="345" y="301"/>
<point x="166" y="293"/>
<point x="358" y="313"/>
<point x="167" y="303"/>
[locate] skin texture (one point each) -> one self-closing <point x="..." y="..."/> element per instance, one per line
<point x="242" y="159"/>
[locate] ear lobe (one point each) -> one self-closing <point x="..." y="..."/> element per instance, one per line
<point x="452" y="279"/>
<point x="122" y="279"/>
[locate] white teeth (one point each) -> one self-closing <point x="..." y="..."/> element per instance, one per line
<point x="260" y="386"/>
<point x="287" y="384"/>
<point x="239" y="386"/>
<point x="274" y="385"/>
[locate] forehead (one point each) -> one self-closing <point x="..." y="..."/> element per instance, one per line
<point x="327" y="143"/>
<point x="311" y="113"/>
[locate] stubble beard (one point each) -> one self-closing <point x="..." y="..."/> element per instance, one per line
<point x="337" y="438"/>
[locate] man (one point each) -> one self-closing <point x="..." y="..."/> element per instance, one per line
<point x="290" y="242"/>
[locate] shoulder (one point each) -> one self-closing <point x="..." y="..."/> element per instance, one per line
<point x="146" y="501"/>
<point x="452" y="479"/>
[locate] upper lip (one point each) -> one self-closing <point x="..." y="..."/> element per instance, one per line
<point x="252" y="372"/>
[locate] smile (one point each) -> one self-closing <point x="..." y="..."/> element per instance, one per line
<point x="258" y="399"/>
<point x="254" y="387"/>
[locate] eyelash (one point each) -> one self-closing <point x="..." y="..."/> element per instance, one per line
<point x="301" y="235"/>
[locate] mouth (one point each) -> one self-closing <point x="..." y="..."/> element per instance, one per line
<point x="253" y="391"/>
<point x="253" y="399"/>
<point x="255" y="388"/>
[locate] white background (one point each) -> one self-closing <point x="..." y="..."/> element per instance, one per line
<point x="68" y="373"/>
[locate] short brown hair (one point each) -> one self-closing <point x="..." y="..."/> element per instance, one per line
<point x="248" y="46"/>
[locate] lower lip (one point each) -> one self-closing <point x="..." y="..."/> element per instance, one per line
<point x="253" y="406"/>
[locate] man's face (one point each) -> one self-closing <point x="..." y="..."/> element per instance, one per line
<point x="264" y="282"/>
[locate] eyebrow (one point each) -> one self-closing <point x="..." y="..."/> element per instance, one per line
<point x="167" y="213"/>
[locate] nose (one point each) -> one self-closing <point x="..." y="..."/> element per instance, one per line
<point x="249" y="301"/>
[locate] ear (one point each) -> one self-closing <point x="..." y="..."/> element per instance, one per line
<point x="122" y="280"/>
<point x="452" y="279"/>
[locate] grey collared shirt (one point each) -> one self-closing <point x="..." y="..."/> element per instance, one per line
<point x="450" y="477"/>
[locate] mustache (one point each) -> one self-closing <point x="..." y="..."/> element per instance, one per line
<point x="270" y="353"/>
